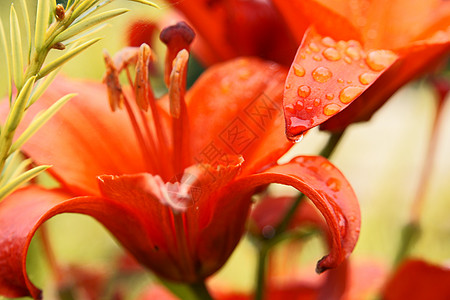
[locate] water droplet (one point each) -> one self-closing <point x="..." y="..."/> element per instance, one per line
<point x="313" y="46"/>
<point x="340" y="80"/>
<point x="341" y="45"/>
<point x="329" y="96"/>
<point x="334" y="184"/>
<point x="288" y="86"/>
<point x="331" y="54"/>
<point x="296" y="139"/>
<point x="290" y="108"/>
<point x="304" y="91"/>
<point x="316" y="102"/>
<point x="295" y="129"/>
<point x="308" y="51"/>
<point x="329" y="42"/>
<point x="331" y="109"/>
<point x="302" y="55"/>
<point x="299" y="71"/>
<point x="309" y="109"/>
<point x="322" y="74"/>
<point x="326" y="165"/>
<point x="379" y="60"/>
<point x="299" y="105"/>
<point x="367" y="78"/>
<point x="349" y="93"/>
<point x="348" y="60"/>
<point x="353" y="53"/>
<point x="317" y="58"/>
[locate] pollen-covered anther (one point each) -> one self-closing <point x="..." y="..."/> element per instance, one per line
<point x="176" y="38"/>
<point x="113" y="86"/>
<point x="142" y="84"/>
<point x="177" y="86"/>
<point x="60" y="12"/>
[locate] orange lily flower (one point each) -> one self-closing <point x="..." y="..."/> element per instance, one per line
<point x="171" y="179"/>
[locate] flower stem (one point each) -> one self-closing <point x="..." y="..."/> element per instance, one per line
<point x="266" y="245"/>
<point x="411" y="230"/>
<point x="201" y="291"/>
<point x="261" y="272"/>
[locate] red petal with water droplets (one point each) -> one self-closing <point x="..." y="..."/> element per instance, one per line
<point x="329" y="191"/>
<point x="416" y="280"/>
<point x="240" y="103"/>
<point x="84" y="139"/>
<point x="325" y="77"/>
<point x="413" y="62"/>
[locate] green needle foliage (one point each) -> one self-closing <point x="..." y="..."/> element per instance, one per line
<point x="58" y="25"/>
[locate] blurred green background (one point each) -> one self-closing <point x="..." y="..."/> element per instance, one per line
<point x="382" y="159"/>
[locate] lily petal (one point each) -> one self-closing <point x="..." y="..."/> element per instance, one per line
<point x="210" y="239"/>
<point x="325" y="77"/>
<point x="414" y="61"/>
<point x="300" y="14"/>
<point x="328" y="190"/>
<point x="240" y="102"/>
<point x="78" y="140"/>
<point x="21" y="213"/>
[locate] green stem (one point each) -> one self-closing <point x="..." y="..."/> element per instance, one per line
<point x="201" y="291"/>
<point x="266" y="245"/>
<point x="261" y="272"/>
<point x="411" y="231"/>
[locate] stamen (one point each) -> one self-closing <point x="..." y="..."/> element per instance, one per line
<point x="178" y="111"/>
<point x="142" y="84"/>
<point x="115" y="95"/>
<point x="176" y="38"/>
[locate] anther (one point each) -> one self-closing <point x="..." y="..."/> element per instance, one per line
<point x="60" y="12"/>
<point x="142" y="84"/>
<point x="176" y="38"/>
<point x="113" y="86"/>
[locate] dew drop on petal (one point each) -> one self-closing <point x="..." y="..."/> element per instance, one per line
<point x="329" y="96"/>
<point x="317" y="58"/>
<point x="299" y="71"/>
<point x="326" y="165"/>
<point x="329" y="42"/>
<point x="309" y="109"/>
<point x="313" y="46"/>
<point x="322" y="74"/>
<point x="331" y="109"/>
<point x="331" y="54"/>
<point x="367" y="78"/>
<point x="295" y="129"/>
<point x="304" y="91"/>
<point x="340" y="80"/>
<point x="288" y="86"/>
<point x="316" y="102"/>
<point x="334" y="184"/>
<point x="379" y="60"/>
<point x="353" y="53"/>
<point x="308" y="51"/>
<point x="299" y="105"/>
<point x="349" y="93"/>
<point x="348" y="60"/>
<point x="290" y="108"/>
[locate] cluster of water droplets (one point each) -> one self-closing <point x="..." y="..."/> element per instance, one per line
<point x="312" y="101"/>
